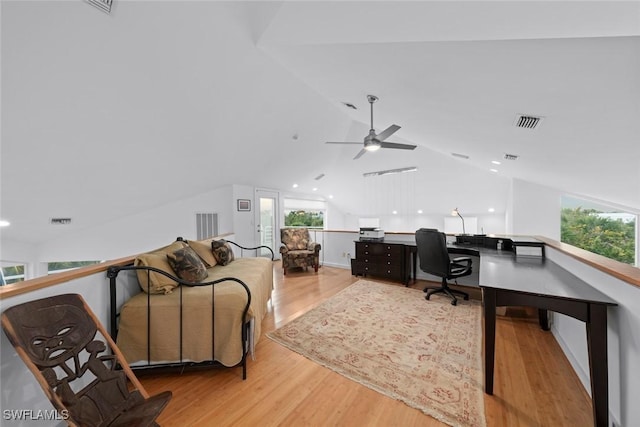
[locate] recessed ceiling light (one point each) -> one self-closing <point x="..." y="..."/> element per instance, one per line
<point x="493" y="170"/>
<point x="491" y="210"/>
<point x="331" y="196"/>
<point x="419" y="211"/>
<point x="4" y="223"/>
<point x="295" y="185"/>
<point x="395" y="212"/>
<point x="315" y="189"/>
<point x="495" y="162"/>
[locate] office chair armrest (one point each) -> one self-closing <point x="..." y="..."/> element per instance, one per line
<point x="462" y="262"/>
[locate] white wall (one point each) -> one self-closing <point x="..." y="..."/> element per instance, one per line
<point x="535" y="210"/>
<point x="142" y="232"/>
<point x="244" y="224"/>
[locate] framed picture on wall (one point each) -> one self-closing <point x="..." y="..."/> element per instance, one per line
<point x="244" y="204"/>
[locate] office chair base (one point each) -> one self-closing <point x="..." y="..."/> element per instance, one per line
<point x="448" y="291"/>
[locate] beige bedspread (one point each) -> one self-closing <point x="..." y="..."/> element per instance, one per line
<point x="230" y="299"/>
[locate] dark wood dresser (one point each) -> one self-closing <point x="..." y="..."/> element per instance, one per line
<point x="385" y="259"/>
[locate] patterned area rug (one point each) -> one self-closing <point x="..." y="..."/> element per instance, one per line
<point x="390" y="339"/>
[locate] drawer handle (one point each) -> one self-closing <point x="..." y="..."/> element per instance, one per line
<point x="366" y="252"/>
<point x="388" y="262"/>
<point x="388" y="254"/>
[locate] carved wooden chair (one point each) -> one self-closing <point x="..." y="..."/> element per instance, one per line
<point x="57" y="338"/>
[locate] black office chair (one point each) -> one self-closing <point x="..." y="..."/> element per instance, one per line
<point x="434" y="259"/>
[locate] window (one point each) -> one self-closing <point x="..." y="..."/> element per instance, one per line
<point x="304" y="213"/>
<point x="59" y="267"/>
<point x="11" y="274"/>
<point x="599" y="229"/>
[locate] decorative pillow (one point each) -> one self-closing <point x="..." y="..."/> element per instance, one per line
<point x="187" y="265"/>
<point x="204" y="252"/>
<point x="157" y="283"/>
<point x="222" y="251"/>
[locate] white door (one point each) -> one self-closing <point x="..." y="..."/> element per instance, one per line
<point x="267" y="219"/>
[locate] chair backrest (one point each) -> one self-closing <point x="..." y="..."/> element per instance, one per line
<point x="58" y="339"/>
<point x="295" y="238"/>
<point x="432" y="252"/>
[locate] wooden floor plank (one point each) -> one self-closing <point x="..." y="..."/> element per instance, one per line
<point x="534" y="383"/>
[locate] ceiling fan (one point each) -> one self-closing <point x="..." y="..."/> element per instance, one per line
<point x="374" y="141"/>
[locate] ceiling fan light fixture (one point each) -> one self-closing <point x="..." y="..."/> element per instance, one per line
<point x="372" y="147"/>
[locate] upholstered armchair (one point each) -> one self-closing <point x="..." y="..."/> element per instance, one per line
<point x="298" y="250"/>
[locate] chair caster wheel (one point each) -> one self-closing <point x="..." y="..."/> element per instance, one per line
<point x="454" y="302"/>
<point x="466" y="297"/>
<point x="427" y="297"/>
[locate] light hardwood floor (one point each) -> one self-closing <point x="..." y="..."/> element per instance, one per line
<point x="534" y="383"/>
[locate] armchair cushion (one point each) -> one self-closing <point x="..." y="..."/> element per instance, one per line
<point x="295" y="238"/>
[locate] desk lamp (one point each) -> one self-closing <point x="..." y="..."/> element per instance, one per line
<point x="455" y="212"/>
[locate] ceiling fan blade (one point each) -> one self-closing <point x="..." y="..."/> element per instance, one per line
<point x="396" y="145"/>
<point x="333" y="142"/>
<point x="360" y="154"/>
<point x="387" y="132"/>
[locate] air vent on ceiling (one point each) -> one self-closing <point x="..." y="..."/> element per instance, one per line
<point x="462" y="156"/>
<point x="103" y="5"/>
<point x="350" y="105"/>
<point x="527" y="121"/>
<point x="319" y="177"/>
<point x="60" y="221"/>
<point x="508" y="156"/>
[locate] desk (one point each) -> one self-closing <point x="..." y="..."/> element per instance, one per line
<point x="507" y="279"/>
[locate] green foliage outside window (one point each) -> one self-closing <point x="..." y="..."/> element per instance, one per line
<point x="302" y="218"/>
<point x="67" y="265"/>
<point x="597" y="233"/>
<point x="13" y="274"/>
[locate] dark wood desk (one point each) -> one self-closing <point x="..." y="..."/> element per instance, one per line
<point x="507" y="279"/>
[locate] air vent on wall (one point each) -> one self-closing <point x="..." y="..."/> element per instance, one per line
<point x="60" y="221"/>
<point x="508" y="156"/>
<point x="527" y="121"/>
<point x="103" y="5"/>
<point x="206" y="225"/>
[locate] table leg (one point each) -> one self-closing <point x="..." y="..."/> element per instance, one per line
<point x="543" y="319"/>
<point x="489" y="300"/>
<point x="597" y="346"/>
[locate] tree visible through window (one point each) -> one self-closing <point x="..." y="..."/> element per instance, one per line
<point x="304" y="213"/>
<point x="599" y="230"/>
<point x="304" y="219"/>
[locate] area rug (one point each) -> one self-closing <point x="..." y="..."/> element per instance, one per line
<point x="390" y="339"/>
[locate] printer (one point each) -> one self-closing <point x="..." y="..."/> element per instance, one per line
<point x="371" y="234"/>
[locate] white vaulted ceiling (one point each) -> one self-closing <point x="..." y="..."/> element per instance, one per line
<point x="104" y="116"/>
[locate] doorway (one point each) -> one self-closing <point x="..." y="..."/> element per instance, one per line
<point x="267" y="221"/>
